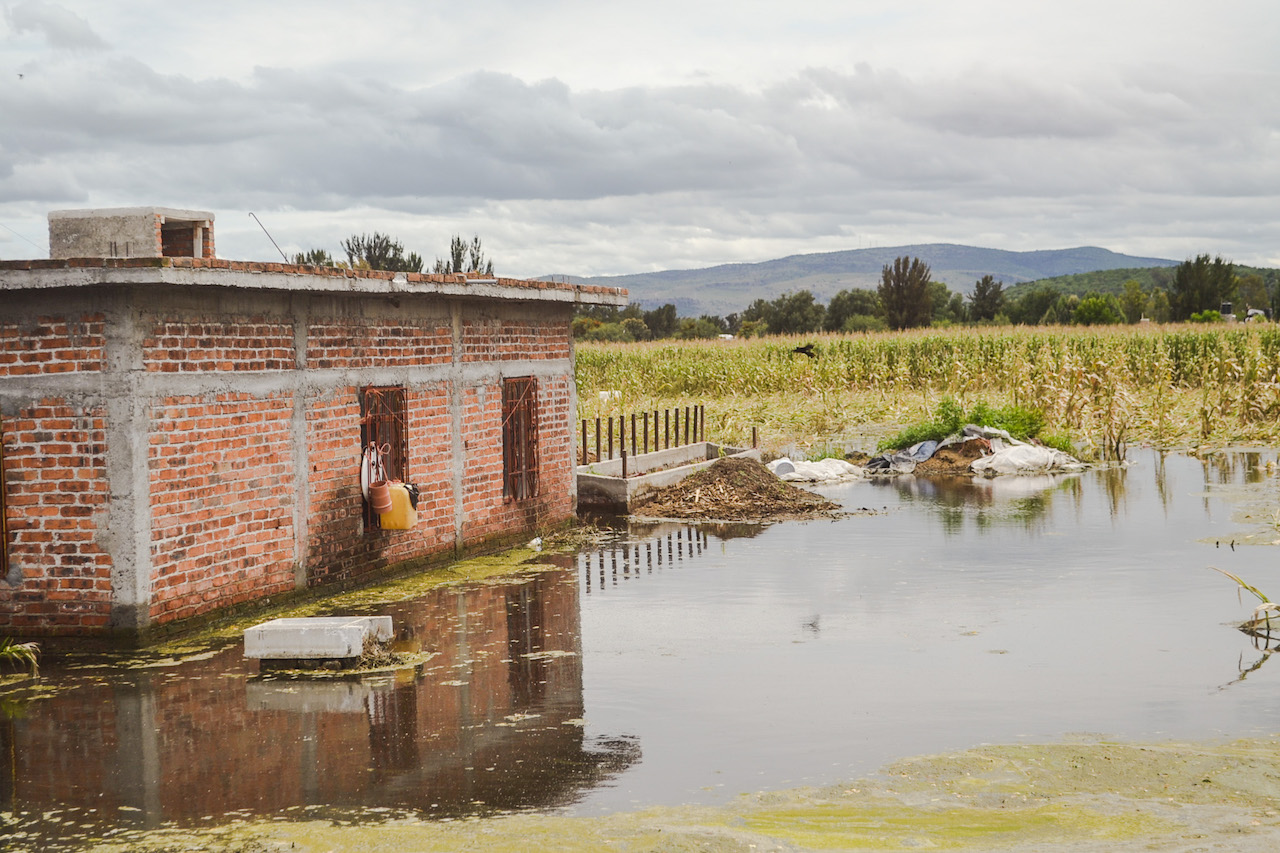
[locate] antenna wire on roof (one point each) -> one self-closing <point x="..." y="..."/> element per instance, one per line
<point x="269" y="237"/>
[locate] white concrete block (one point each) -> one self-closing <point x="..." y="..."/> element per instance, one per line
<point x="324" y="637"/>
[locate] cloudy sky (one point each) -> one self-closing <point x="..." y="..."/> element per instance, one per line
<point x="597" y="138"/>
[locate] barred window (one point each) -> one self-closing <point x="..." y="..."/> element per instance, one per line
<point x="519" y="438"/>
<point x="4" y="514"/>
<point x="383" y="426"/>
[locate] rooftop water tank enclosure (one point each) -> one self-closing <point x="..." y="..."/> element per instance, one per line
<point x="130" y="232"/>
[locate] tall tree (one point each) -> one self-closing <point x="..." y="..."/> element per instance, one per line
<point x="465" y="257"/>
<point x="661" y="321"/>
<point x="947" y="307"/>
<point x="789" y="314"/>
<point x="1133" y="302"/>
<point x="1158" y="306"/>
<point x="314" y="257"/>
<point x="904" y="292"/>
<point x="1251" y="292"/>
<point x="1098" y="310"/>
<point x="796" y="313"/>
<point x="1032" y="306"/>
<point x="379" y="252"/>
<point x="851" y="303"/>
<point x="987" y="299"/>
<point x="1201" y="285"/>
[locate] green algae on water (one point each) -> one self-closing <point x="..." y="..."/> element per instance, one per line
<point x="1088" y="796"/>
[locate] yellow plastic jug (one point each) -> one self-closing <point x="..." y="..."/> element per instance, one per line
<point x="402" y="515"/>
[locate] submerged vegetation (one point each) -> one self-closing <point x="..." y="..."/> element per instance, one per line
<point x="21" y="655"/>
<point x="1101" y="387"/>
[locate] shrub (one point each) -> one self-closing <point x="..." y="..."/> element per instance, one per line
<point x="1021" y="422"/>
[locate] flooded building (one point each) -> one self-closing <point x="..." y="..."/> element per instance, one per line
<point x="183" y="434"/>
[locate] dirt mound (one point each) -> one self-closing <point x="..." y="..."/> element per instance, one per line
<point x="735" y="490"/>
<point x="954" y="458"/>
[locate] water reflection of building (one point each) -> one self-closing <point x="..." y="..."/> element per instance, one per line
<point x="492" y="721"/>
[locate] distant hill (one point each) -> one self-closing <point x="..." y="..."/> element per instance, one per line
<point x="1112" y="280"/>
<point x="731" y="287"/>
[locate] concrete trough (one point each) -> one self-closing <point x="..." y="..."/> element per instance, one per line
<point x="315" y="638"/>
<point x="602" y="487"/>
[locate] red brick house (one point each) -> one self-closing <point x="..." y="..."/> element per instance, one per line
<point x="182" y="433"/>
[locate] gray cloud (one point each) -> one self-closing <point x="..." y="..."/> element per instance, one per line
<point x="61" y="27"/>
<point x="634" y="178"/>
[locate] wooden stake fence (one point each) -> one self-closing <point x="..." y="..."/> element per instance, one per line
<point x="676" y="431"/>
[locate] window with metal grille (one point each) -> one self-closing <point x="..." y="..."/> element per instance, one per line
<point x="519" y="438"/>
<point x="383" y="427"/>
<point x="4" y="515"/>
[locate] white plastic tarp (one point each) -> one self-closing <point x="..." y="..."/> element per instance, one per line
<point x="822" y="471"/>
<point x="1025" y="459"/>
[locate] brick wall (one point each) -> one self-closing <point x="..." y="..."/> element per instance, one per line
<point x="353" y="343"/>
<point x="221" y="477"/>
<point x="339" y="547"/>
<point x="57" y="494"/>
<point x="206" y="388"/>
<point x="51" y="344"/>
<point x="240" y="343"/>
<point x="487" y="512"/>
<point x="507" y="339"/>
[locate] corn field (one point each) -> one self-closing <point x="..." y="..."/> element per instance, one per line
<point x="1101" y="387"/>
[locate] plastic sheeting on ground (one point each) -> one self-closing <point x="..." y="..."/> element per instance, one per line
<point x="1009" y="456"/>
<point x="1025" y="459"/>
<point x="904" y="461"/>
<point x="822" y="471"/>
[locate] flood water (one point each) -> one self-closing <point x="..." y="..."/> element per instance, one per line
<point x="691" y="663"/>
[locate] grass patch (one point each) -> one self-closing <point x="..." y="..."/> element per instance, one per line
<point x="1022" y="422"/>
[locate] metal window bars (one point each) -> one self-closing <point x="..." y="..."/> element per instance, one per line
<point x="4" y="513"/>
<point x="383" y="423"/>
<point x="519" y="438"/>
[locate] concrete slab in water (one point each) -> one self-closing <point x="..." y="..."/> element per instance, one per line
<point x="314" y="637"/>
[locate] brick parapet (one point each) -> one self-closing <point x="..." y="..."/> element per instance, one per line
<point x="316" y="278"/>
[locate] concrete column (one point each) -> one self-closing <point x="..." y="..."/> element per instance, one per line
<point x="455" y="408"/>
<point x="128" y="476"/>
<point x="300" y="308"/>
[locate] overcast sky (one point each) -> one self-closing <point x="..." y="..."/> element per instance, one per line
<point x="597" y="138"/>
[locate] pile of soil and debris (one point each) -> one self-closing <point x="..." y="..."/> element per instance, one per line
<point x="735" y="490"/>
<point x="954" y="458"/>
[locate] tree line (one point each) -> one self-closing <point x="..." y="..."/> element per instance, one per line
<point x="906" y="298"/>
<point x="379" y="251"/>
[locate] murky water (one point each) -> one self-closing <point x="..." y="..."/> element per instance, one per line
<point x="688" y="664"/>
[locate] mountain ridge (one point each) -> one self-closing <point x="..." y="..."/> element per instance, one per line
<point x="727" y="288"/>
